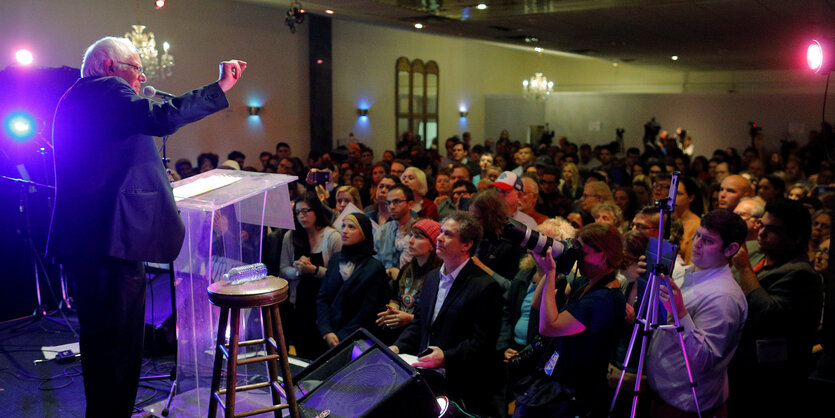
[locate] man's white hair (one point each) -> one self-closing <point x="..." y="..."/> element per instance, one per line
<point x="107" y="48"/>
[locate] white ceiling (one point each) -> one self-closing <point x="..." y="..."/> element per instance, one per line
<point x="706" y="34"/>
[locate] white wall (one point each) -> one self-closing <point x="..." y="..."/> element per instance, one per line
<point x="202" y="33"/>
<point x="713" y="120"/>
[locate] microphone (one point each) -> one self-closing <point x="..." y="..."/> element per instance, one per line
<point x="150" y="91"/>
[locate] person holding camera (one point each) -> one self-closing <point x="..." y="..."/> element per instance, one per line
<point x="572" y="367"/>
<point x="712" y="310"/>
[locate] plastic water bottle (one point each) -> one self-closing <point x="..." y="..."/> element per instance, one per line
<point x="247" y="273"/>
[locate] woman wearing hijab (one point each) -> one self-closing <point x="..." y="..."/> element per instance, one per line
<point x="355" y="287"/>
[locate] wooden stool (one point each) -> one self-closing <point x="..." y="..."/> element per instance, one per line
<point x="265" y="294"/>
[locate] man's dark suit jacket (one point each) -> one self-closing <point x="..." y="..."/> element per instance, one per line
<point x="113" y="195"/>
<point x="784" y="314"/>
<point x="466" y="329"/>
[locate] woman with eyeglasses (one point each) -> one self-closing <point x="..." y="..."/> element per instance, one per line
<point x="305" y="253"/>
<point x="355" y="285"/>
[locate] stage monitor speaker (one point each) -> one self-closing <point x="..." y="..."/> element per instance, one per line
<point x="361" y="377"/>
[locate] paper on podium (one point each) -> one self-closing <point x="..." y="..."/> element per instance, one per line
<point x="203" y="185"/>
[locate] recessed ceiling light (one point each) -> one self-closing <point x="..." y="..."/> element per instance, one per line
<point x="329" y="11"/>
<point x="538" y="49"/>
<point x="614" y="64"/>
<point x="481" y="6"/>
<point x="674" y="58"/>
<point x="418" y="25"/>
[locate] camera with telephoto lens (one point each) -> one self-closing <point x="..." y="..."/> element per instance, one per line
<point x="565" y="252"/>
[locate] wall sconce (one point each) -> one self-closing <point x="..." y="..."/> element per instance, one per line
<point x="463" y="113"/>
<point x="362" y="112"/>
<point x="253" y="110"/>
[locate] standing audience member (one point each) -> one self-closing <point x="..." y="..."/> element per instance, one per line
<point x="527" y="204"/>
<point x="305" y="254"/>
<point x="355" y="285"/>
<point x="689" y="207"/>
<point x="712" y="310"/>
<point x="491" y="212"/>
<point x="510" y="187"/>
<point x="379" y="211"/>
<point x="770" y="369"/>
<point x="457" y="319"/>
<point x="573" y="366"/>
<point x="733" y="188"/>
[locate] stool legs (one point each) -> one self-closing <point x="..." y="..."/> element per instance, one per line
<point x="289" y="389"/>
<point x="221" y="337"/>
<point x="232" y="364"/>
<point x="266" y="317"/>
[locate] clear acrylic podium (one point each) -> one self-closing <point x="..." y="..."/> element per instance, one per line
<point x="223" y="230"/>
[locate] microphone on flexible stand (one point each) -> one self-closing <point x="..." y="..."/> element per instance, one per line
<point x="150" y="91"/>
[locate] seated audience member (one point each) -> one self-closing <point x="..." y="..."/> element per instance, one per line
<point x="379" y="211"/>
<point x="642" y="189"/>
<point x="415" y="179"/>
<point x="461" y="188"/>
<point x="571" y="185"/>
<point x="712" y="310"/>
<point x="406" y="288"/>
<point x="510" y="187"/>
<point x="458" y="319"/>
<point x="821" y="227"/>
<point x="501" y="256"/>
<point x="265" y="160"/>
<point x="183" y="168"/>
<point x="573" y="365"/>
<point x="305" y="253"/>
<point x="770" y="368"/>
<point x="551" y="202"/>
<point x="355" y="285"/>
<point x="344" y="196"/>
<point x="392" y="239"/>
<point x="207" y="161"/>
<point x="484" y="162"/>
<point x="380" y="169"/>
<point x="751" y="210"/>
<point x="731" y="189"/>
<point x="661" y="186"/>
<point x="527" y="203"/>
<point x="443" y="187"/>
<point x="798" y="191"/>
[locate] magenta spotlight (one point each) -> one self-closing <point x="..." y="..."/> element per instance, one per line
<point x="814" y="56"/>
<point x="24" y="57"/>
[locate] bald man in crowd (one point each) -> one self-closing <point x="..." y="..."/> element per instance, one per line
<point x="733" y="188"/>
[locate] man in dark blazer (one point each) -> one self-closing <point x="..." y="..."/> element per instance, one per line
<point x="458" y="319"/>
<point x="114" y="207"/>
<point x="769" y="372"/>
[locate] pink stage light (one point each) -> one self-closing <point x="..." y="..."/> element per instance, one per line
<point x="159" y="4"/>
<point x="24" y="57"/>
<point x="814" y="56"/>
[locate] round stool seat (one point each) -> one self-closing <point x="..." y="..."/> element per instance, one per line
<point x="265" y="292"/>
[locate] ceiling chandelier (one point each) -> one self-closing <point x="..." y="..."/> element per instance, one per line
<point x="155" y="64"/>
<point x="537" y="87"/>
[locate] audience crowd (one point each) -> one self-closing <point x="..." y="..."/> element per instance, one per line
<point x="414" y="246"/>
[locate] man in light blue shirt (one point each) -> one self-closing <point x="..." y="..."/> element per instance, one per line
<point x="392" y="238"/>
<point x="712" y="310"/>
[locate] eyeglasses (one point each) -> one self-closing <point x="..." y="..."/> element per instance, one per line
<point x="395" y="202"/>
<point x="303" y="211"/>
<point x="135" y="67"/>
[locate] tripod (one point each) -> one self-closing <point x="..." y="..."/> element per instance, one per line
<point x="646" y="319"/>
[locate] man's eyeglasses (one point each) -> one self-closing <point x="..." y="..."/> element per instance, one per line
<point x="135" y="67"/>
<point x="394" y="202"/>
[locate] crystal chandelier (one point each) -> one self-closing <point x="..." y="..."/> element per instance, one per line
<point x="155" y="65"/>
<point x="537" y="87"/>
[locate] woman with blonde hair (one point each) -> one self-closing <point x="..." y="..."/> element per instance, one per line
<point x="415" y="179"/>
<point x="571" y="186"/>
